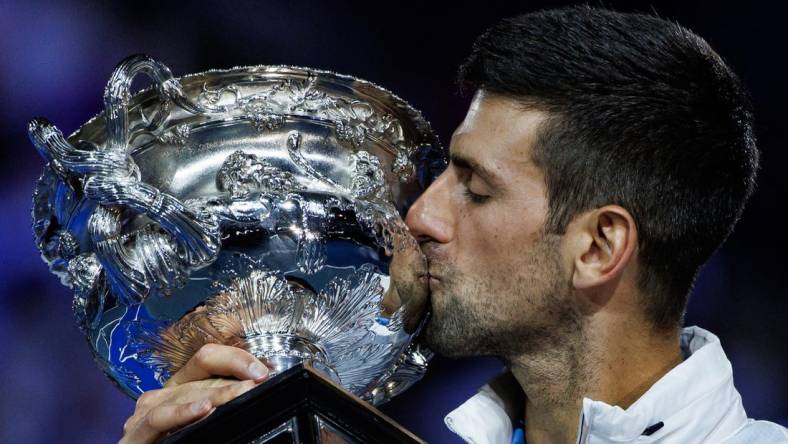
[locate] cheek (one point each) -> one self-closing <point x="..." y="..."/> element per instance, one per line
<point x="493" y="250"/>
<point x="496" y="234"/>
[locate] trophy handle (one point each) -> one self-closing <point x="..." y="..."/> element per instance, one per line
<point x="179" y="239"/>
<point x="117" y="94"/>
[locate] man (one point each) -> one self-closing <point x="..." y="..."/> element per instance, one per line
<point x="604" y="158"/>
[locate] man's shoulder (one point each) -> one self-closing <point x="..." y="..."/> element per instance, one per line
<point x="755" y="431"/>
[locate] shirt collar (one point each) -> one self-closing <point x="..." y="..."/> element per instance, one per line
<point x="694" y="399"/>
<point x="481" y="419"/>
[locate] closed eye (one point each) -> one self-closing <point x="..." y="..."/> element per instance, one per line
<point x="475" y="198"/>
<point x="467" y="176"/>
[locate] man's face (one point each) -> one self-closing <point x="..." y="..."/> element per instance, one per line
<point x="496" y="280"/>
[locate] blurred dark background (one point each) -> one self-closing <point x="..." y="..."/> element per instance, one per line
<point x="55" y="58"/>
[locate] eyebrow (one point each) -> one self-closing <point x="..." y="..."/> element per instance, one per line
<point x="476" y="167"/>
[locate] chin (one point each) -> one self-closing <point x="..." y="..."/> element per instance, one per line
<point x="431" y="338"/>
<point x="438" y="342"/>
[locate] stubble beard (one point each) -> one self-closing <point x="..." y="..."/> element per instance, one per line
<point x="510" y="313"/>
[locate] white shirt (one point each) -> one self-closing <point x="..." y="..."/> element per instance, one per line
<point x="696" y="402"/>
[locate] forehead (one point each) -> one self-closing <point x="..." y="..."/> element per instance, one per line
<point x="498" y="134"/>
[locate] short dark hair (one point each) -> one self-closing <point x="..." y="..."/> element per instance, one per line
<point x="645" y="115"/>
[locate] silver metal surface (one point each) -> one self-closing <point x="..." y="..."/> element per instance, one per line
<point x="257" y="206"/>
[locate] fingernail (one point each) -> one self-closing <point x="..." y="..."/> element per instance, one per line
<point x="257" y="370"/>
<point x="260" y="379"/>
<point x="199" y="406"/>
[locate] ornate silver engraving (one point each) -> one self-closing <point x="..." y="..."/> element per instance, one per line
<point x="177" y="135"/>
<point x="368" y="180"/>
<point x="263" y="121"/>
<point x="68" y="246"/>
<point x="354" y="120"/>
<point x="353" y="134"/>
<point x="242" y="173"/>
<point x="311" y="252"/>
<point x="84" y="271"/>
<point x="293" y="140"/>
<point x="110" y="177"/>
<point x="403" y="167"/>
<point x="264" y="313"/>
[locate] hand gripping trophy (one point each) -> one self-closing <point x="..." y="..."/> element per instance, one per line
<point x="258" y="207"/>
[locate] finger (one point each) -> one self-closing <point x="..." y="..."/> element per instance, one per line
<point x="220" y="360"/>
<point x="165" y="418"/>
<point x="225" y="394"/>
<point x="187" y="392"/>
<point x="191" y="393"/>
<point x="194" y="391"/>
<point x="149" y="399"/>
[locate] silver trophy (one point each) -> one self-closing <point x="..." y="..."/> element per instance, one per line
<point x="258" y="206"/>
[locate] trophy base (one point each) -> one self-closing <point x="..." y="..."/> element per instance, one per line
<point x="301" y="406"/>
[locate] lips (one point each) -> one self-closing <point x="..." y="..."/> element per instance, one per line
<point x="430" y="277"/>
<point x="430" y="281"/>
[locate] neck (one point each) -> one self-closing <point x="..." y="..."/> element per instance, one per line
<point x="607" y="360"/>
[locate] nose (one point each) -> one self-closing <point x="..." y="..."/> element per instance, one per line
<point x="431" y="216"/>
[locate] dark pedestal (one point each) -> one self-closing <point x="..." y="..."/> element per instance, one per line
<point x="299" y="405"/>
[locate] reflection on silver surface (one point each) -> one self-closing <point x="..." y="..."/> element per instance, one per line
<point x="288" y="432"/>
<point x="330" y="434"/>
<point x="258" y="207"/>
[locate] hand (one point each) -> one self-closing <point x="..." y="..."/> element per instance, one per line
<point x="194" y="392"/>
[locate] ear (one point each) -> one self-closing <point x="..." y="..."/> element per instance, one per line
<point x="604" y="243"/>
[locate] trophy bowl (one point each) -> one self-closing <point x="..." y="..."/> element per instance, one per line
<point x="259" y="207"/>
